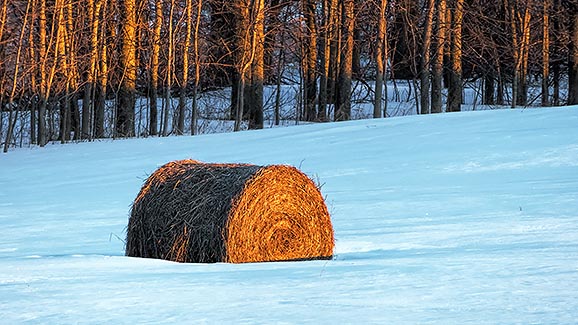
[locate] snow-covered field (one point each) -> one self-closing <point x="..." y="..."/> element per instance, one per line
<point x="449" y="219"/>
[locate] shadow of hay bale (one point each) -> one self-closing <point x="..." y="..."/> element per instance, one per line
<point x="188" y="211"/>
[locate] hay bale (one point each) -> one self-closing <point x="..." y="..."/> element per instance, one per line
<point x="188" y="211"/>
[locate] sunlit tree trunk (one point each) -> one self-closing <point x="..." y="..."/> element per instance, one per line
<point x="61" y="36"/>
<point x="546" y="53"/>
<point x="72" y="73"/>
<point x="455" y="85"/>
<point x="523" y="73"/>
<point x="327" y="79"/>
<point x="438" y="63"/>
<point x="520" y="26"/>
<point x="43" y="93"/>
<point x="102" y="78"/>
<point x="3" y="15"/>
<point x="169" y="77"/>
<point x="516" y="53"/>
<point x="194" y="114"/>
<point x="185" y="69"/>
<point x="334" y="52"/>
<point x="126" y="97"/>
<point x="34" y="66"/>
<point x="243" y="57"/>
<point x="380" y="61"/>
<point x="88" y="102"/>
<point x="249" y="61"/>
<point x="154" y="83"/>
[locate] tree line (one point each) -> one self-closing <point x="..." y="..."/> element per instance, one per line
<point x="62" y="61"/>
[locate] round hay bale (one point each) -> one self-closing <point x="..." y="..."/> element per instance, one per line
<point x="188" y="211"/>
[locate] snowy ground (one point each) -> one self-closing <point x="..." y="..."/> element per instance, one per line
<point x="454" y="218"/>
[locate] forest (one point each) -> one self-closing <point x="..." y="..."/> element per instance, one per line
<point x="75" y="70"/>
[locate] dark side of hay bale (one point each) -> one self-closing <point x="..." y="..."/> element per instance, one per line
<point x="189" y="211"/>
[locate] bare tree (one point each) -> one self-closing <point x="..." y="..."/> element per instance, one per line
<point x="250" y="21"/>
<point x="310" y="59"/>
<point x="102" y="77"/>
<point x="328" y="56"/>
<point x="520" y="28"/>
<point x="185" y="68"/>
<point x="546" y="53"/>
<point x="343" y="89"/>
<point x="573" y="55"/>
<point x="455" y="85"/>
<point x="94" y="7"/>
<point x="425" y="58"/>
<point x="197" y="56"/>
<point x="154" y="81"/>
<point x="255" y="98"/>
<point x="44" y="80"/>
<point x="125" y="117"/>
<point x="12" y="120"/>
<point x="167" y="105"/>
<point x="438" y="64"/>
<point x="381" y="61"/>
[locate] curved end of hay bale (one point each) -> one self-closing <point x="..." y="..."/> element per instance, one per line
<point x="279" y="216"/>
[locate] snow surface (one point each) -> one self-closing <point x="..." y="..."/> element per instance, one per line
<point x="450" y="218"/>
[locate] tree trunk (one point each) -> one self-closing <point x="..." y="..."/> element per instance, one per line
<point x="324" y="61"/>
<point x="326" y="80"/>
<point x="64" y="73"/>
<point x="556" y="62"/>
<point x="380" y="61"/>
<point x="523" y="73"/>
<point x="343" y="91"/>
<point x="546" y="53"/>
<point x="72" y="73"/>
<point x="194" y="114"/>
<point x="12" y="120"/>
<point x="127" y="94"/>
<point x="438" y="64"/>
<point x="310" y="57"/>
<point x="154" y="82"/>
<point x="90" y="87"/>
<point x="517" y="55"/>
<point x="521" y="47"/>
<point x="102" y="80"/>
<point x="334" y="52"/>
<point x="42" y="140"/>
<point x="167" y="107"/>
<point x="245" y="32"/>
<point x="3" y="14"/>
<point x="185" y="69"/>
<point x="573" y="57"/>
<point x="489" y="86"/>
<point x="455" y="85"/>
<point x="33" y="75"/>
<point x="257" y="66"/>
<point x="425" y="59"/>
